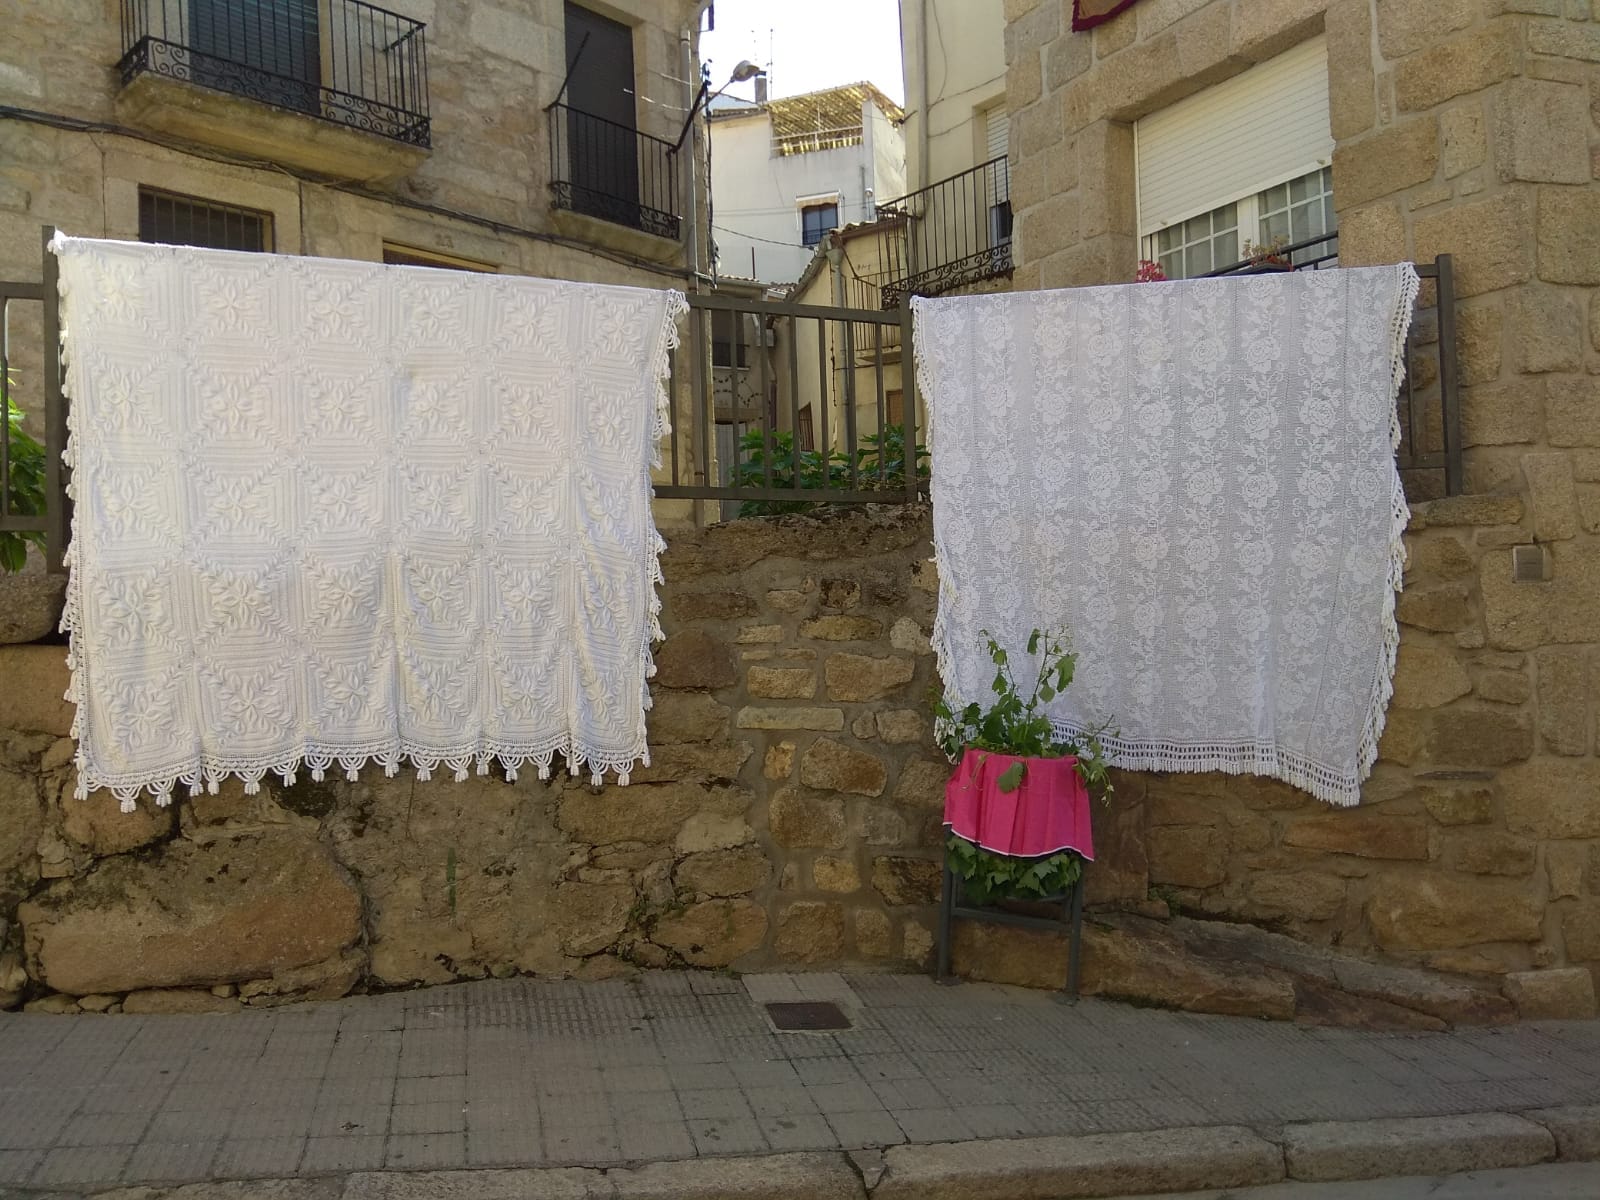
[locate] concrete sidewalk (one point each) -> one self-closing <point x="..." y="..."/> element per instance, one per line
<point x="681" y="1066"/>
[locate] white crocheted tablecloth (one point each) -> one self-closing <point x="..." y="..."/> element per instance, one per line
<point x="1198" y="480"/>
<point x="333" y="511"/>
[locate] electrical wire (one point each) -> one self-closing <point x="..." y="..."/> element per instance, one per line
<point x="80" y="125"/>
<point x="750" y="237"/>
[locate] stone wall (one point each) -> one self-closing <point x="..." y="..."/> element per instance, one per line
<point x="789" y="816"/>
<point x="1466" y="128"/>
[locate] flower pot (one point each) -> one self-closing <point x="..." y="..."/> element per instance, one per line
<point x="1047" y="812"/>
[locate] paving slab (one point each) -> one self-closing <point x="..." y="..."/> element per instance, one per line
<point x="1576" y="1130"/>
<point x="1554" y="1181"/>
<point x="537" y="1074"/>
<point x="1069" y="1168"/>
<point x="1414" y="1146"/>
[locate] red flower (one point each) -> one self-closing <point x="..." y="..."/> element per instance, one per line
<point x="1149" y="272"/>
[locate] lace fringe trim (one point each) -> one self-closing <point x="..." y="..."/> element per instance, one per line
<point x="1407" y="286"/>
<point x="320" y="759"/>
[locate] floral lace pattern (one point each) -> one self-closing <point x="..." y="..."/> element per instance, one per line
<point x="1198" y="480"/>
<point x="334" y="511"/>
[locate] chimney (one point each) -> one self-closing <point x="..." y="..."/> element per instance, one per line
<point x="761" y="89"/>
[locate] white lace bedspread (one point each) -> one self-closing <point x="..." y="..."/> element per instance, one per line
<point x="1198" y="480"/>
<point x="334" y="511"/>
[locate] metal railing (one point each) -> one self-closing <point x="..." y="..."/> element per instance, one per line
<point x="609" y="170"/>
<point x="816" y="383"/>
<point x="33" y="479"/>
<point x="958" y="231"/>
<point x="345" y="61"/>
<point x="1309" y="255"/>
<point x="1430" y="398"/>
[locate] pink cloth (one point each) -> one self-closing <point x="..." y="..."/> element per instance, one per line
<point x="1047" y="813"/>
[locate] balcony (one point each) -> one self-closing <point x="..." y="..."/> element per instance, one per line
<point x="610" y="172"/>
<point x="958" y="232"/>
<point x="338" y="87"/>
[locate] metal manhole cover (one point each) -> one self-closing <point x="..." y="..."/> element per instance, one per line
<point x="807" y="1015"/>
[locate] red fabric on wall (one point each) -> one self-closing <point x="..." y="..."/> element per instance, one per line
<point x="1086" y="14"/>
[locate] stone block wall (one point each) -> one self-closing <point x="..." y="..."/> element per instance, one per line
<point x="789" y="817"/>
<point x="1468" y="128"/>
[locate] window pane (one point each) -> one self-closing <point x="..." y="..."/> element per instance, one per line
<point x="1273" y="198"/>
<point x="1225" y="250"/>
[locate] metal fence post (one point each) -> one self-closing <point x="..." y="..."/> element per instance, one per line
<point x="56" y="476"/>
<point x="908" y="394"/>
<point x="1449" y="384"/>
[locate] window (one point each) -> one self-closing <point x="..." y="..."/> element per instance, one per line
<point x="729" y="344"/>
<point x="268" y="50"/>
<point x="1286" y="214"/>
<point x="806" y="435"/>
<point x="1244" y="161"/>
<point x="406" y="256"/>
<point x="816" y="220"/>
<point x="190" y="221"/>
<point x="894" y="406"/>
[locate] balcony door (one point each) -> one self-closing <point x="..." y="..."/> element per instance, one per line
<point x="602" y="143"/>
<point x="269" y="50"/>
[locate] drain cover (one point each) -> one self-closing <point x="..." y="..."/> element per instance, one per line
<point x="810" y="1014"/>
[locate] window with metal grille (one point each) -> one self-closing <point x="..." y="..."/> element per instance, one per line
<point x="806" y="433"/>
<point x="190" y="221"/>
<point x="816" y="220"/>
<point x="408" y="256"/>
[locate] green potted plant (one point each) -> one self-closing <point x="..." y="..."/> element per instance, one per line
<point x="31" y="599"/>
<point x="1016" y="807"/>
<point x="24" y="484"/>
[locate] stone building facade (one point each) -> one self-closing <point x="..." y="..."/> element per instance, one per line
<point x="276" y="143"/>
<point x="1465" y="128"/>
<point x="78" y="143"/>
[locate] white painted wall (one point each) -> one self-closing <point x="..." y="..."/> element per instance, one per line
<point x="955" y="70"/>
<point x="756" y="195"/>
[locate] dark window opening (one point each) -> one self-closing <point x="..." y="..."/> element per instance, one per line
<point x="816" y="220"/>
<point x="1000" y="223"/>
<point x="190" y="221"/>
<point x="728" y="347"/>
<point x="404" y="256"/>
<point x="276" y="41"/>
<point x="806" y="436"/>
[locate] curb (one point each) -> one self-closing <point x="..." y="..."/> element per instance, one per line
<point x="1089" y="1167"/>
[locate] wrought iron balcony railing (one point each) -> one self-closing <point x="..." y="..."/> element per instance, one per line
<point x="958" y="231"/>
<point x="1312" y="254"/>
<point x="344" y="61"/>
<point x="609" y="170"/>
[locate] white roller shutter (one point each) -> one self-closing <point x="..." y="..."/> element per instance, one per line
<point x="1242" y="136"/>
<point x="997" y="126"/>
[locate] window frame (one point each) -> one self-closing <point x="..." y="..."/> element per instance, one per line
<point x="395" y="254"/>
<point x="816" y="204"/>
<point x="155" y="195"/>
